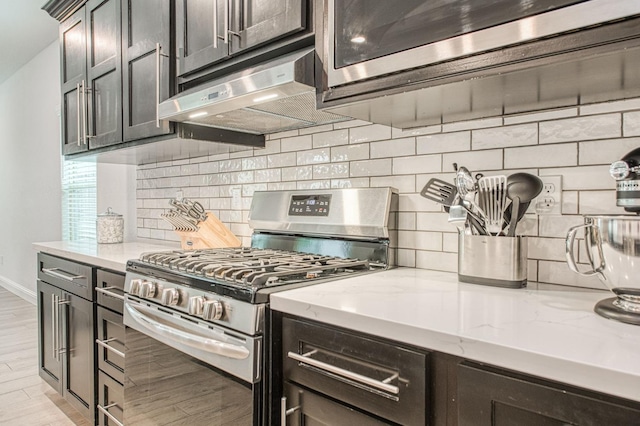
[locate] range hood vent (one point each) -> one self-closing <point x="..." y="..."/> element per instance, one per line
<point x="272" y="97"/>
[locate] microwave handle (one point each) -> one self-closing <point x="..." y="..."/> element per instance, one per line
<point x="166" y="329"/>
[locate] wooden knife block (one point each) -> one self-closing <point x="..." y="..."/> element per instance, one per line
<point x="211" y="233"/>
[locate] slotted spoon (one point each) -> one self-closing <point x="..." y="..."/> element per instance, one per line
<point x="492" y="192"/>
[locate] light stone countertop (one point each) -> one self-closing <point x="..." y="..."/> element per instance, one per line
<point x="109" y="256"/>
<point x="546" y="331"/>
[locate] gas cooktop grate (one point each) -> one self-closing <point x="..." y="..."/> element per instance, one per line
<point x="253" y="267"/>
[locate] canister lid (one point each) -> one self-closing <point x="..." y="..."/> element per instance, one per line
<point x="109" y="213"/>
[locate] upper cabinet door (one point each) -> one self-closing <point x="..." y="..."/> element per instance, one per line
<point x="255" y="22"/>
<point x="73" y="54"/>
<point x="104" y="82"/>
<point x="201" y="27"/>
<point x="148" y="75"/>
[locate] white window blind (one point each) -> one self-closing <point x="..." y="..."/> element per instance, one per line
<point x="78" y="200"/>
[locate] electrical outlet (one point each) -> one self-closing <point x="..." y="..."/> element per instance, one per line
<point x="1" y="260"/>
<point x="550" y="199"/>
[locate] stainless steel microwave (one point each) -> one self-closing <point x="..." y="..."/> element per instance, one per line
<point x="372" y="38"/>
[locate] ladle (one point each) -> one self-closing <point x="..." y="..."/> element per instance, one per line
<point x="521" y="189"/>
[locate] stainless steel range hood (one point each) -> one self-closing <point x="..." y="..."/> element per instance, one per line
<point x="271" y="97"/>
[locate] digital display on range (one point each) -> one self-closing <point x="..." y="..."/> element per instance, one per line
<point x="310" y="205"/>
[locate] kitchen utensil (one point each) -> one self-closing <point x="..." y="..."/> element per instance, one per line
<point x="464" y="181"/>
<point x="613" y="250"/>
<point x="493" y="198"/>
<point x="211" y="233"/>
<point x="521" y="189"/>
<point x="110" y="227"/>
<point x="190" y="208"/>
<point x="439" y="191"/>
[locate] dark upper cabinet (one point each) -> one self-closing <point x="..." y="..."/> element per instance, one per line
<point x="148" y="67"/>
<point x="91" y="77"/>
<point x="209" y="31"/>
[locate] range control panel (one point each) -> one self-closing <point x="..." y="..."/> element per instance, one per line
<point x="310" y="205"/>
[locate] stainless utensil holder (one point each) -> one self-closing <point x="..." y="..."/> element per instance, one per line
<point x="495" y="261"/>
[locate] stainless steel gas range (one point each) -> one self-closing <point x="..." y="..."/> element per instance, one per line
<point x="198" y="330"/>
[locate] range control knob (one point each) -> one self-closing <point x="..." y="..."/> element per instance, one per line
<point x="196" y="305"/>
<point x="212" y="310"/>
<point x="134" y="286"/>
<point x="170" y="297"/>
<point x="147" y="289"/>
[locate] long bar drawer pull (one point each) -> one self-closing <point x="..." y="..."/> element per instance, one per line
<point x="105" y="290"/>
<point x="104" y="344"/>
<point x="104" y="411"/>
<point x="54" y="273"/>
<point x="381" y="385"/>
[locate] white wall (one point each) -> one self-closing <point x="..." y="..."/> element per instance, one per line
<point x="29" y="168"/>
<point x="30" y="190"/>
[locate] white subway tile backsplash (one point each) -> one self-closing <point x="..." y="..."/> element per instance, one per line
<point x="436" y="221"/>
<point x="350" y="152"/>
<point x="507" y="136"/>
<point x="474" y="160"/>
<point x="420" y="240"/>
<point x="296" y="143"/>
<point x="598" y="202"/>
<point x="286" y="159"/>
<point x="406" y="258"/>
<point x="407" y="221"/>
<point x="581" y="129"/>
<point x="314" y="156"/>
<point x="631" y="124"/>
<point x="334" y="138"/>
<point x="371" y="168"/>
<point x="350" y="183"/>
<point x="605" y="151"/>
<point x="417" y="164"/>
<point x="404" y="184"/>
<point x="443" y="142"/>
<point x="374" y="132"/>
<point x="332" y="170"/>
<point x="565" y="154"/>
<point x="582" y="178"/>
<point x="393" y="148"/>
<point x="437" y="260"/>
<point x="356" y="153"/>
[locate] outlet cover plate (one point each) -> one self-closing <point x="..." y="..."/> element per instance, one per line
<point x="549" y="202"/>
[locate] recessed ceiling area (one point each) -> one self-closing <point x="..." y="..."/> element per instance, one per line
<point x="25" y="30"/>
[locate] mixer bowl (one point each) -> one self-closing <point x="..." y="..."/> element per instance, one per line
<point x="613" y="250"/>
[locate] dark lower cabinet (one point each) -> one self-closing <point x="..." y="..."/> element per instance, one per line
<point x="110" y="401"/>
<point x="487" y="396"/>
<point x="66" y="355"/>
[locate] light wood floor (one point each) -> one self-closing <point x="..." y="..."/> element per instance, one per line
<point x="25" y="399"/>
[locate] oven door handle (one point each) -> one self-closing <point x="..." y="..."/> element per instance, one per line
<point x="214" y="346"/>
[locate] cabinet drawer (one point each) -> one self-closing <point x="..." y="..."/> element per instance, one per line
<point x="110" y="401"/>
<point x="110" y="343"/>
<point x="110" y="290"/>
<point x="74" y="277"/>
<point x="377" y="377"/>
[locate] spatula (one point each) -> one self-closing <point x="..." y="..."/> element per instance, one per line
<point x="492" y="191"/>
<point x="439" y="191"/>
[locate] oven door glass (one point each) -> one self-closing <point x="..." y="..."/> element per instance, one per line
<point x="180" y="370"/>
<point x="165" y="386"/>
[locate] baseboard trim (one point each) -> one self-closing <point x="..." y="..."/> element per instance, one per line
<point x="18" y="290"/>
